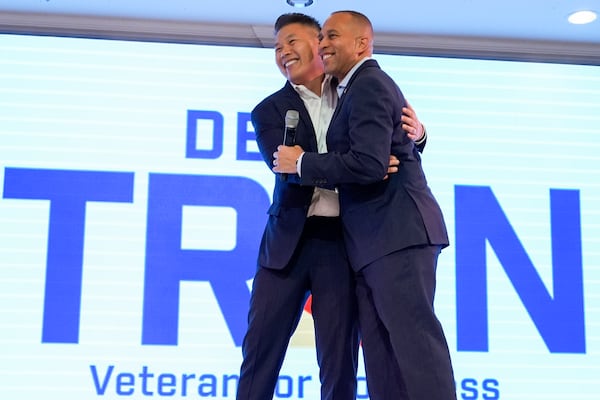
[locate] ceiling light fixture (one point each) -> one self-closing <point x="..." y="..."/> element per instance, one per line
<point x="299" y="3"/>
<point x="582" y="17"/>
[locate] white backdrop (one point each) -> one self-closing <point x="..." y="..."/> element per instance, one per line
<point x="133" y="200"/>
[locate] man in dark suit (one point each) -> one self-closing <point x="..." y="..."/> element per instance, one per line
<point x="302" y="250"/>
<point x="393" y="228"/>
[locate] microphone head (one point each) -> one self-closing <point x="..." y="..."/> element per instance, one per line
<point x="291" y="119"/>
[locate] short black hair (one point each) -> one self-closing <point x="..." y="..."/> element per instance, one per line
<point x="296" y="18"/>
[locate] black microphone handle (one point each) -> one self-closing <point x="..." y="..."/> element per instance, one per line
<point x="289" y="139"/>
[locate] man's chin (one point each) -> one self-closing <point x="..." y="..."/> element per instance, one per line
<point x="292" y="77"/>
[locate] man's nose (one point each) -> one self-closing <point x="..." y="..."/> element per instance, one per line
<point x="322" y="44"/>
<point x="285" y="50"/>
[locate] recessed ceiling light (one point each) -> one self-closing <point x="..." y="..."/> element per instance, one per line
<point x="299" y="3"/>
<point x="582" y="17"/>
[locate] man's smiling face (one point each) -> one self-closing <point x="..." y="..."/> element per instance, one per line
<point x="342" y="44"/>
<point x="296" y="53"/>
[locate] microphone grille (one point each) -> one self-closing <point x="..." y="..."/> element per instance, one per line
<point x="291" y="118"/>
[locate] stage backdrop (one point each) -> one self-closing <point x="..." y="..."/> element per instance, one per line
<point x="133" y="199"/>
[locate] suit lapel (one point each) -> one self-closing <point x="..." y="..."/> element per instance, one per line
<point x="297" y="104"/>
<point x="366" y="64"/>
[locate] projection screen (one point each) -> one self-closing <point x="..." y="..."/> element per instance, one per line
<point x="133" y="199"/>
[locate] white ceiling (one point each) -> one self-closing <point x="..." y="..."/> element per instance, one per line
<point x="509" y="27"/>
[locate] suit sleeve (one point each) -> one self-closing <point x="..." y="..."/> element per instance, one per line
<point x="269" y="122"/>
<point x="420" y="145"/>
<point x="360" y="155"/>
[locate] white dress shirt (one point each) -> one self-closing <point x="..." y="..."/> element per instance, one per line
<point x="320" y="108"/>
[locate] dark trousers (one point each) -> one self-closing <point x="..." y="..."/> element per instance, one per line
<point x="319" y="266"/>
<point x="405" y="350"/>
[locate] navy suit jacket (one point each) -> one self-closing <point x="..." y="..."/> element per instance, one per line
<point x="379" y="216"/>
<point x="288" y="210"/>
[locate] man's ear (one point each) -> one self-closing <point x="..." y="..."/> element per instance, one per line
<point x="362" y="44"/>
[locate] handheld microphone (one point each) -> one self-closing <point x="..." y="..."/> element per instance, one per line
<point x="289" y="134"/>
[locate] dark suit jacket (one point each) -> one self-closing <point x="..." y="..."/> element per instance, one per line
<point x="287" y="213"/>
<point x="379" y="216"/>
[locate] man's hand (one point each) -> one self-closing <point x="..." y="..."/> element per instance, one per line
<point x="285" y="159"/>
<point x="411" y="124"/>
<point x="393" y="167"/>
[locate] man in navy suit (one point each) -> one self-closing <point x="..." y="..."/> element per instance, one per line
<point x="302" y="250"/>
<point x="393" y="228"/>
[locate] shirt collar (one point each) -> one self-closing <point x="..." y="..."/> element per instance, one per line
<point x="304" y="92"/>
